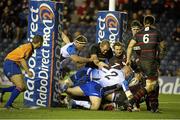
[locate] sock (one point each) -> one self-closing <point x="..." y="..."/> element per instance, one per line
<point x="14" y="95"/>
<point x="140" y="93"/>
<point x="113" y="97"/>
<point x="9" y="89"/>
<point x="84" y="104"/>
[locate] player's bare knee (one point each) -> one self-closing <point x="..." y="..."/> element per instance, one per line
<point x="95" y="106"/>
<point x="21" y="86"/>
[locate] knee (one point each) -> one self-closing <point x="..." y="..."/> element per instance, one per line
<point x="21" y="87"/>
<point x="95" y="106"/>
<point x="151" y="86"/>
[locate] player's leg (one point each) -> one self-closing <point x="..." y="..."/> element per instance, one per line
<point x="150" y="69"/>
<point x="75" y="91"/>
<point x="4" y="90"/>
<point x="13" y="72"/>
<point x="95" y="93"/>
<point x="20" y="86"/>
<point x="95" y="102"/>
<point x="153" y="98"/>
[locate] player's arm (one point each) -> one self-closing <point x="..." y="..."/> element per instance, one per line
<point x="65" y="38"/>
<point x="129" y="50"/>
<point x="25" y="67"/>
<point x="98" y="63"/>
<point x="79" y="59"/>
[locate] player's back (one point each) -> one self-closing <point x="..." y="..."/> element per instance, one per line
<point x="23" y="51"/>
<point x="148" y="39"/>
<point x="107" y="77"/>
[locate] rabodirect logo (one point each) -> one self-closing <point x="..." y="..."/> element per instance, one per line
<point x="46" y="15"/>
<point x="112" y="23"/>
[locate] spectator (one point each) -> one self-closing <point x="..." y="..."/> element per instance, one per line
<point x="176" y="34"/>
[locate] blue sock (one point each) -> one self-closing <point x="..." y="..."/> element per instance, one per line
<point x="14" y="94"/>
<point x="9" y="89"/>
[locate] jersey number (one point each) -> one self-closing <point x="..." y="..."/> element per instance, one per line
<point x="113" y="74"/>
<point x="146" y="38"/>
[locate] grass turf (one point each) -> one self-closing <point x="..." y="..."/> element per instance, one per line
<point x="169" y="107"/>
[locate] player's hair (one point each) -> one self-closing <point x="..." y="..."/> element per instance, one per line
<point x="37" y="39"/>
<point x="136" y="23"/>
<point x="149" y="19"/>
<point x="117" y="44"/>
<point x="81" y="39"/>
<point x="104" y="42"/>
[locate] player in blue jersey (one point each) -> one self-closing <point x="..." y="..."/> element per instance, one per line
<point x="102" y="82"/>
<point x="70" y="55"/>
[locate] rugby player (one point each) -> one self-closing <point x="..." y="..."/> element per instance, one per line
<point x="152" y="50"/>
<point x="102" y="81"/>
<point x="70" y="58"/>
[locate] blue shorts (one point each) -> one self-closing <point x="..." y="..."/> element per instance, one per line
<point x="81" y="76"/>
<point x="10" y="68"/>
<point x="92" y="89"/>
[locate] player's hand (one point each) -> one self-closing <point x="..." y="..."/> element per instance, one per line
<point x="91" y="59"/>
<point x="102" y="65"/>
<point x="30" y="74"/>
<point x="128" y="62"/>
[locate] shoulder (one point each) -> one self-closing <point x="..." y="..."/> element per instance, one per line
<point x="26" y="46"/>
<point x="69" y="46"/>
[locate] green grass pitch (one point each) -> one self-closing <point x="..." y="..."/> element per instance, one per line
<point x="169" y="107"/>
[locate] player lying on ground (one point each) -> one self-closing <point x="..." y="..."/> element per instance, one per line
<point x="102" y="82"/>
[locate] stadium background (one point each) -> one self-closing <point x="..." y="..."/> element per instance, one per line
<point x="80" y="17"/>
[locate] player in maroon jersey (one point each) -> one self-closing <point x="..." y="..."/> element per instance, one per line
<point x="152" y="50"/>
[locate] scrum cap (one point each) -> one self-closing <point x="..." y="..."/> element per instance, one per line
<point x="81" y="39"/>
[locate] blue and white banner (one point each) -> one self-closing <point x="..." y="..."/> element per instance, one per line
<point x="169" y="85"/>
<point x="111" y="25"/>
<point x="44" y="19"/>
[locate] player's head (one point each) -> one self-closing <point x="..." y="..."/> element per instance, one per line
<point x="118" y="48"/>
<point x="37" y="41"/>
<point x="135" y="26"/>
<point x="80" y="42"/>
<point x="149" y="20"/>
<point x="104" y="46"/>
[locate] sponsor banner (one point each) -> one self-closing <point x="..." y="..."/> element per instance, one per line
<point x="110" y="25"/>
<point x="56" y="57"/>
<point x="44" y="19"/>
<point x="169" y="85"/>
